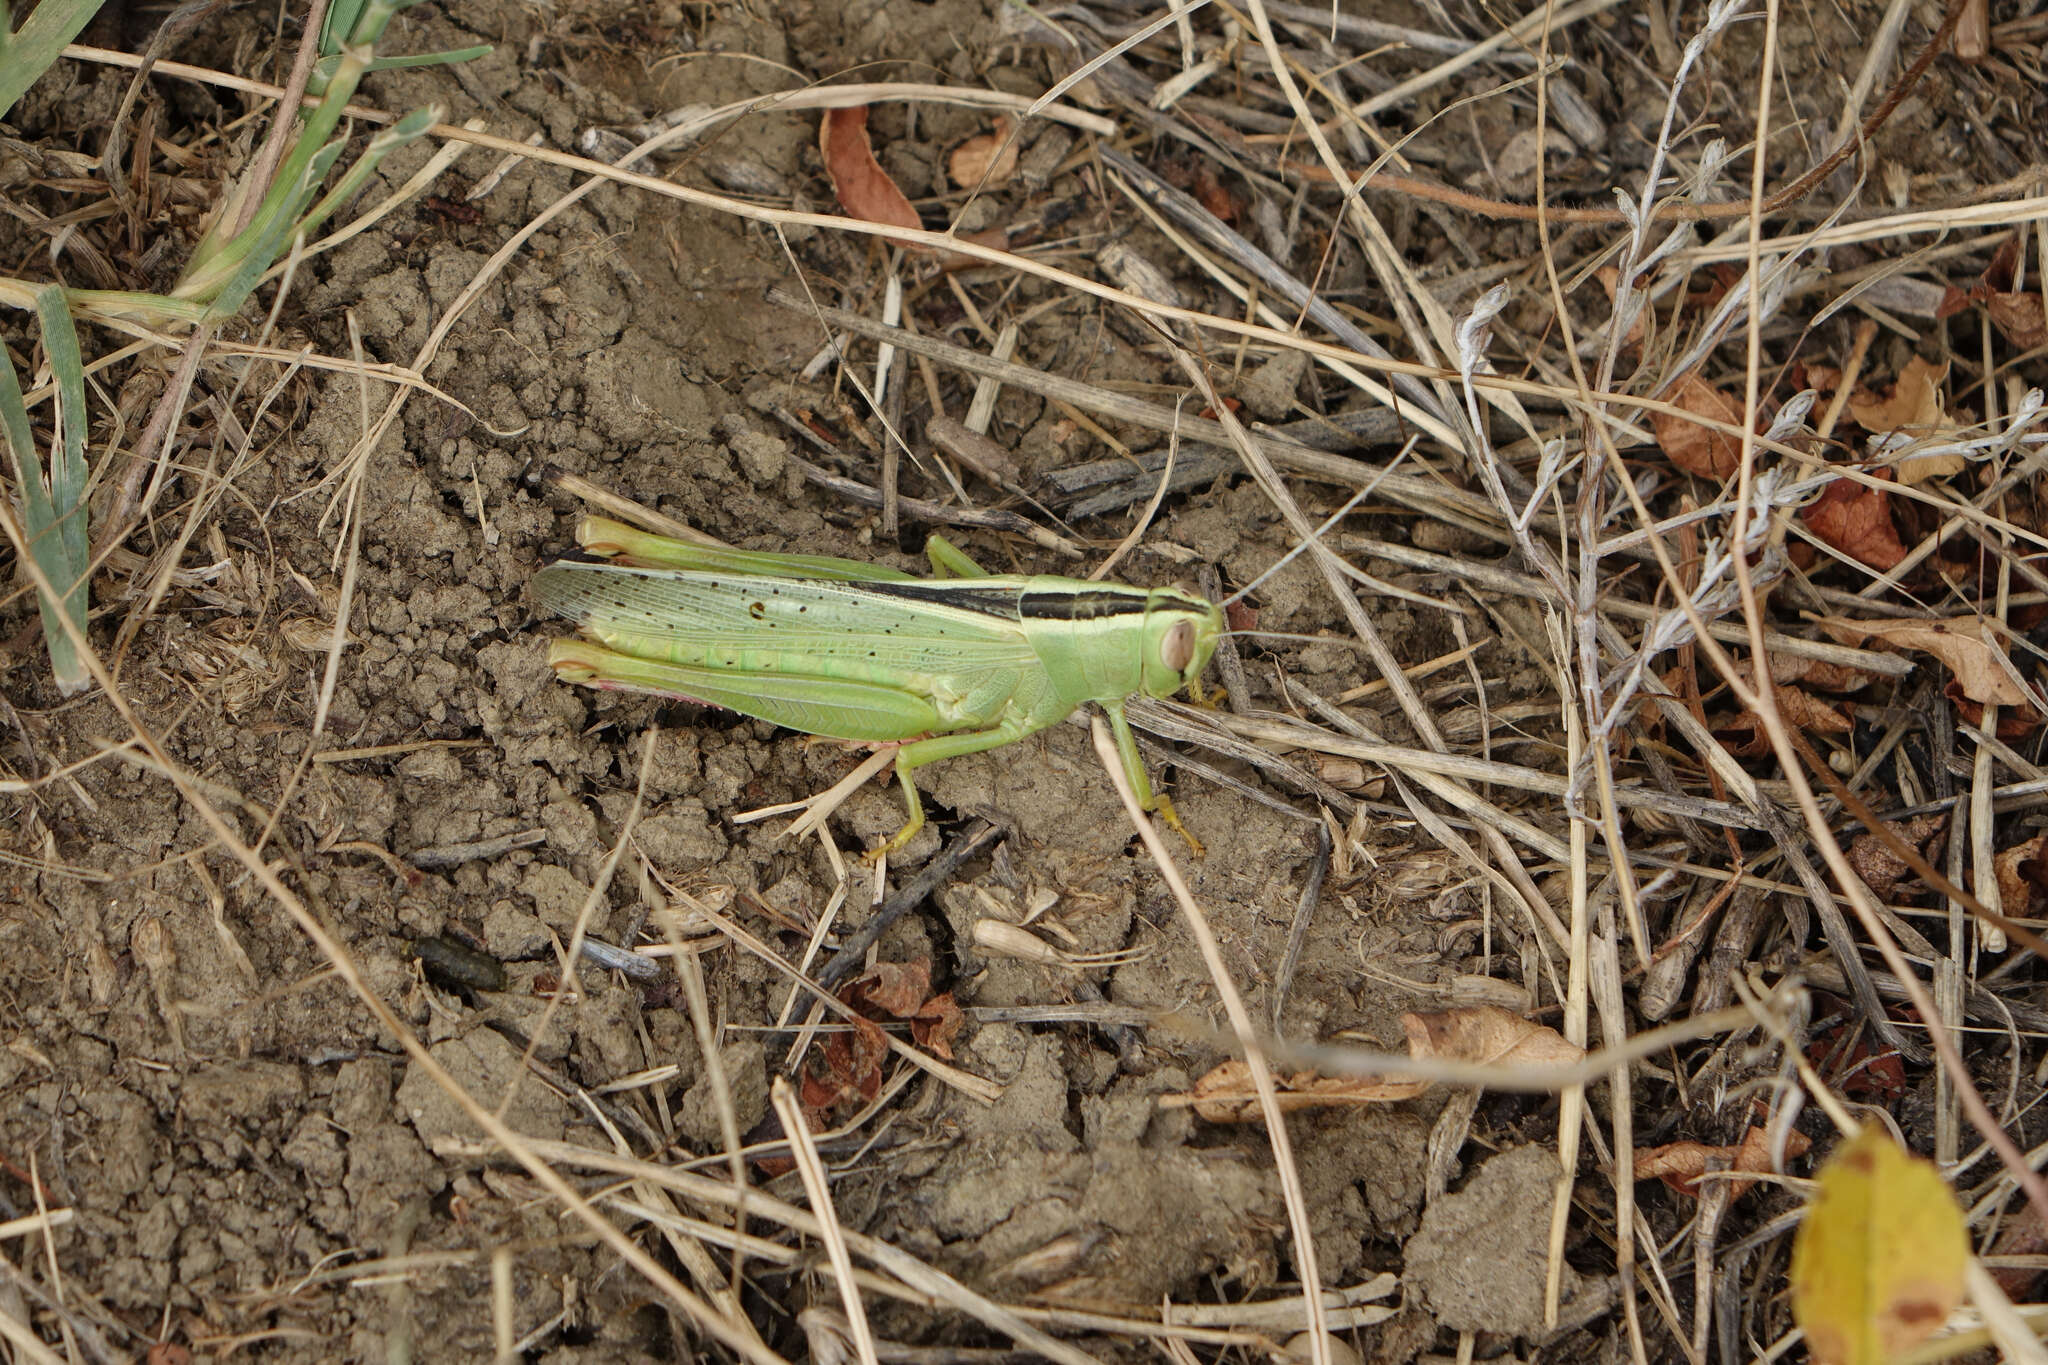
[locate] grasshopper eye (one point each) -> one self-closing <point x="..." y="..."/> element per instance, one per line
<point x="1177" y="646"/>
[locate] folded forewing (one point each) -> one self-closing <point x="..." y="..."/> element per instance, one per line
<point x="943" y="628"/>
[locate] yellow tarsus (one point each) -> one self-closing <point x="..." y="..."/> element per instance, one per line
<point x="1164" y="805"/>
<point x="1207" y="700"/>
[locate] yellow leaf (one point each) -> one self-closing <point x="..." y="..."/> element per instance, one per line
<point x="1878" y="1264"/>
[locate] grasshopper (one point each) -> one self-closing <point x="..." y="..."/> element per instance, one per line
<point x="938" y="667"/>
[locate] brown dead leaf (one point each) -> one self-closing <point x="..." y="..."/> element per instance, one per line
<point x="2019" y="317"/>
<point x="1693" y="448"/>
<point x="1487" y="1033"/>
<point x="1213" y="195"/>
<point x="936" y="1024"/>
<point x="2003" y="272"/>
<point x="903" y="990"/>
<point x="985" y="160"/>
<point x="2014" y="722"/>
<point x="2022" y="877"/>
<point x="1881" y="869"/>
<point x="1226" y="1093"/>
<point x="863" y="187"/>
<point x="1913" y="405"/>
<point x="1720" y="278"/>
<point x="1681" y="1164"/>
<point x="1808" y="712"/>
<point x="896" y="988"/>
<point x="1800" y="710"/>
<point x="2023" y="1235"/>
<point x="1857" y="520"/>
<point x="850" y="1074"/>
<point x="1847" y="1059"/>
<point x="1818" y="675"/>
<point x="1913" y="408"/>
<point x="1963" y="643"/>
<point x="1820" y="376"/>
<point x="1474" y="1033"/>
<point x="2015" y="313"/>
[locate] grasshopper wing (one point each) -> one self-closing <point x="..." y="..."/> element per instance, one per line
<point x="797" y="626"/>
<point x="843" y="708"/>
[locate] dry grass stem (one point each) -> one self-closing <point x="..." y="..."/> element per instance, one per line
<point x="1635" y="630"/>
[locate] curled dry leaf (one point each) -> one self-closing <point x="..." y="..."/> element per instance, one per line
<point x="2023" y="1235"/>
<point x="1474" y="1033"/>
<point x="903" y="990"/>
<point x="2022" y="872"/>
<point x="1963" y="643"/>
<point x="986" y="159"/>
<point x="1847" y="1060"/>
<point x="1913" y="407"/>
<point x="1819" y="675"/>
<point x="1797" y="708"/>
<point x="1487" y="1033"/>
<point x="1213" y="195"/>
<point x="896" y="988"/>
<point x="1681" y="1164"/>
<point x="2020" y="317"/>
<point x="2014" y="722"/>
<point x="1881" y="869"/>
<point x="1721" y="277"/>
<point x="1709" y="453"/>
<point x="2016" y="313"/>
<point x="849" y="1073"/>
<point x="864" y="189"/>
<point x="1857" y="520"/>
<point x="1226" y="1093"/>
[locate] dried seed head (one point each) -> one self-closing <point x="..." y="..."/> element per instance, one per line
<point x="995" y="937"/>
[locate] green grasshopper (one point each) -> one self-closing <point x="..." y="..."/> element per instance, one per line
<point x="855" y="651"/>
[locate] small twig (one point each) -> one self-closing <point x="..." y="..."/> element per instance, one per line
<point x="1288" y="455"/>
<point x="626" y="510"/>
<point x="853" y="952"/>
<point x="1304" y="914"/>
<point x="625" y="961"/>
<point x="438" y="856"/>
<point x="981" y="518"/>
<point x="1237" y="684"/>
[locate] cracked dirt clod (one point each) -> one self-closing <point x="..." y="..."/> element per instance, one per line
<point x="1481" y="1256"/>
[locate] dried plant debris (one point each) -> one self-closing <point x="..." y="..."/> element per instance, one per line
<point x="1623" y="760"/>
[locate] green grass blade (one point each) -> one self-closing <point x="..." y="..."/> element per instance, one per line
<point x="53" y="502"/>
<point x="25" y="54"/>
<point x="67" y="566"/>
<point x="22" y="463"/>
<point x="226" y="283"/>
<point x="324" y="69"/>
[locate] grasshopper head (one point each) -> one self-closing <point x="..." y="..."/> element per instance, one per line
<point x="1181" y="631"/>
